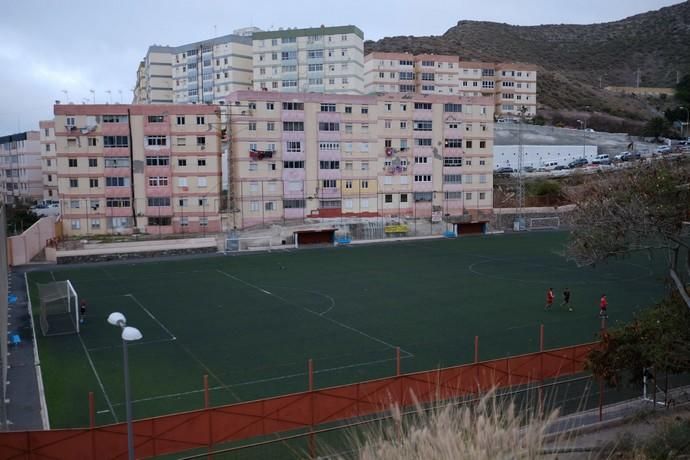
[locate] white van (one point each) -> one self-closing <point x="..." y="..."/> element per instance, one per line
<point x="601" y="159"/>
<point x="549" y="166"/>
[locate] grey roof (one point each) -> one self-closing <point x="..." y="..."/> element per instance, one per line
<point x="309" y="31"/>
<point x="230" y="38"/>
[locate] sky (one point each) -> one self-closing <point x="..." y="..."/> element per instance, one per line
<point x="56" y="50"/>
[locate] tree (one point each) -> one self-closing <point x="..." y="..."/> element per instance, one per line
<point x="638" y="208"/>
<point x="657" y="127"/>
<point x="658" y="338"/>
<point x="683" y="90"/>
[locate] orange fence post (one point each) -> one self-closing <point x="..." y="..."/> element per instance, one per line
<point x="206" y="395"/>
<point x="312" y="441"/>
<point x="207" y="403"/>
<point x="92" y="424"/>
<point x="397" y="361"/>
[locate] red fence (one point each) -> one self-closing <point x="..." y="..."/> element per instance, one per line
<point x="208" y="427"/>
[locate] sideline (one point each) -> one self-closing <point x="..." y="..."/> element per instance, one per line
<point x="45" y="420"/>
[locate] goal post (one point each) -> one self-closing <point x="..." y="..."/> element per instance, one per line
<point x="59" y="308"/>
<point x="544" y="223"/>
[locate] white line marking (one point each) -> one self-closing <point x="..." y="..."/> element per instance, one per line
<point x="45" y="419"/>
<point x="336" y="322"/>
<point x="134" y="344"/>
<point x="53" y="275"/>
<point x="98" y="379"/>
<point x="131" y="296"/>
<point x="265" y="291"/>
<point x="269" y="379"/>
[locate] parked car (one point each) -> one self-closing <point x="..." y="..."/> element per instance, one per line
<point x="628" y="156"/>
<point x="504" y="170"/>
<point x="560" y="167"/>
<point x="602" y="159"/>
<point x="549" y="166"/>
<point x="578" y="163"/>
<point x="589" y="130"/>
<point x="663" y="149"/>
<point x="528" y="169"/>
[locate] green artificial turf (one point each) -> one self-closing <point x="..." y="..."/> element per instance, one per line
<point x="252" y="322"/>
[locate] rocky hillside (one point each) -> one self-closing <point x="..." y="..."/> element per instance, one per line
<point x="572" y="58"/>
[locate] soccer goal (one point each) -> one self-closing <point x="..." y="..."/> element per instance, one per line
<point x="59" y="312"/>
<point x="543" y="223"/>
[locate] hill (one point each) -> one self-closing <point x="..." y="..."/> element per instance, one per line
<point x="573" y="58"/>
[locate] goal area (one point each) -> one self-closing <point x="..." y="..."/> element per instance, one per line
<point x="543" y="223"/>
<point x="254" y="243"/>
<point x="59" y="308"/>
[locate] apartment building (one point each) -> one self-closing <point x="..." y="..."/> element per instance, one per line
<point x="295" y="156"/>
<point x="20" y="167"/>
<point x="200" y="72"/>
<point x="512" y="86"/>
<point x="48" y="160"/>
<point x="313" y="60"/>
<point x="138" y="168"/>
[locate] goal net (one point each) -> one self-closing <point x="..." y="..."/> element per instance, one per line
<point x="543" y="223"/>
<point x="59" y="309"/>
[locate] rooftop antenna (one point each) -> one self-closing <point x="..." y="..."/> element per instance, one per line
<point x="109" y="99"/>
<point x="93" y="95"/>
<point x="120" y="93"/>
<point x="66" y="96"/>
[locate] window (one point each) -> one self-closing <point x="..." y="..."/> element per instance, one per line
<point x="76" y="224"/>
<point x="452" y="108"/>
<point x="72" y="162"/>
<point x="154" y="160"/>
<point x="74" y="183"/>
<point x="289" y="83"/>
<point x="468" y="144"/>
<point x="329" y="183"/>
<point x="364" y="184"/>
<point x="328" y="107"/>
<point x="201" y="141"/>
<point x="182" y="182"/>
<point x="184" y="221"/>
<point x="482" y="178"/>
<point x="116" y="162"/>
<point x="422" y="178"/>
<point x="421" y="160"/>
<point x="406" y="75"/>
<point x="482" y="195"/>
<point x="452" y="161"/>
<point x="253" y="166"/>
<point x="329" y="126"/>
<point x="47" y="147"/>
<point x="452" y="178"/>
<point x="93" y="142"/>
<point x="329" y="165"/>
<point x="333" y="146"/>
<point x="293" y="204"/>
<point x="388" y="198"/>
<point x="468" y="178"/>
<point x="74" y="204"/>
<point x="201" y="182"/>
<point x="117" y="202"/>
<point x="348" y="184"/>
<point x="453" y="143"/>
<point x="482" y="144"/>
<point x="293" y="106"/>
<point x="93" y="183"/>
<point x="423" y="126"/>
<point x="180" y="120"/>
<point x="365" y="109"/>
<point x="293" y="164"/>
<point x="117" y="181"/>
<point x="156" y="140"/>
<point x="182" y="162"/>
<point x="468" y="162"/>
<point x="269" y="206"/>
<point x="158" y="221"/>
<point x="293" y="146"/>
<point x="293" y="126"/>
<point x="422" y="196"/>
<point x="95" y="223"/>
<point x="348" y="128"/>
<point x="348" y="109"/>
<point x="200" y="120"/>
<point x="468" y="195"/>
<point x="422" y="142"/>
<point x="365" y="166"/>
<point x="156" y="118"/>
<point x="270" y="126"/>
<point x="422" y="105"/>
<point x="158" y="201"/>
<point x="115" y="141"/>
<point x="113" y="119"/>
<point x="252" y="126"/>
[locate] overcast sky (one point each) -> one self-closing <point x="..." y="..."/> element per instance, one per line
<point x="47" y="46"/>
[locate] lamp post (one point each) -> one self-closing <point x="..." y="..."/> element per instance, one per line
<point x="129" y="334"/>
<point x="583" y="126"/>
<point x="687" y="121"/>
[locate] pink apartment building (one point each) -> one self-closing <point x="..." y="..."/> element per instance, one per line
<point x="138" y="168"/>
<point x="310" y="155"/>
<point x="20" y="167"/>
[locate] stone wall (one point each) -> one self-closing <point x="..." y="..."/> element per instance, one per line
<point x="134" y="255"/>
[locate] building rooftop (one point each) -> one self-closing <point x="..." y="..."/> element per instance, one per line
<point x="335" y="30"/>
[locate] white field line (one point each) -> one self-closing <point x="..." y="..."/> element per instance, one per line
<point x="45" y="420"/>
<point x="130" y="345"/>
<point x="52" y="275"/>
<point x="269" y="379"/>
<point x="336" y="322"/>
<point x="98" y="378"/>
<point x="131" y="296"/>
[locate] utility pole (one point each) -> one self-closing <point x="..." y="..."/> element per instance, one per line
<point x="521" y="179"/>
<point x="638" y="78"/>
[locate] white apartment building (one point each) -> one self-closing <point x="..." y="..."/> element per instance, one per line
<point x="200" y="72"/>
<point x="20" y="167"/>
<point x="48" y="160"/>
<point x="314" y="60"/>
<point x="512" y="86"/>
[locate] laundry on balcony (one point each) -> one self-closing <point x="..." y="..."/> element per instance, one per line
<point x="260" y="154"/>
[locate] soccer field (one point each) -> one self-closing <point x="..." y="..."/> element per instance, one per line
<point x="251" y="322"/>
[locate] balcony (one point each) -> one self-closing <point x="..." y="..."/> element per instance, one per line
<point x="261" y="154"/>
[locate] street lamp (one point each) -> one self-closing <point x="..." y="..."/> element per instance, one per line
<point x="583" y="127"/>
<point x="129" y="334"/>
<point x="687" y="121"/>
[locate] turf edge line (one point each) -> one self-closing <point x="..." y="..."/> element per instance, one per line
<point x="45" y="420"/>
<point x="98" y="378"/>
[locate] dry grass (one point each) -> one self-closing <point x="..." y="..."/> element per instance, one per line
<point x="493" y="428"/>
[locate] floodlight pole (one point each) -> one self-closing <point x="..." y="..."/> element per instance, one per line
<point x="129" y="334"/>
